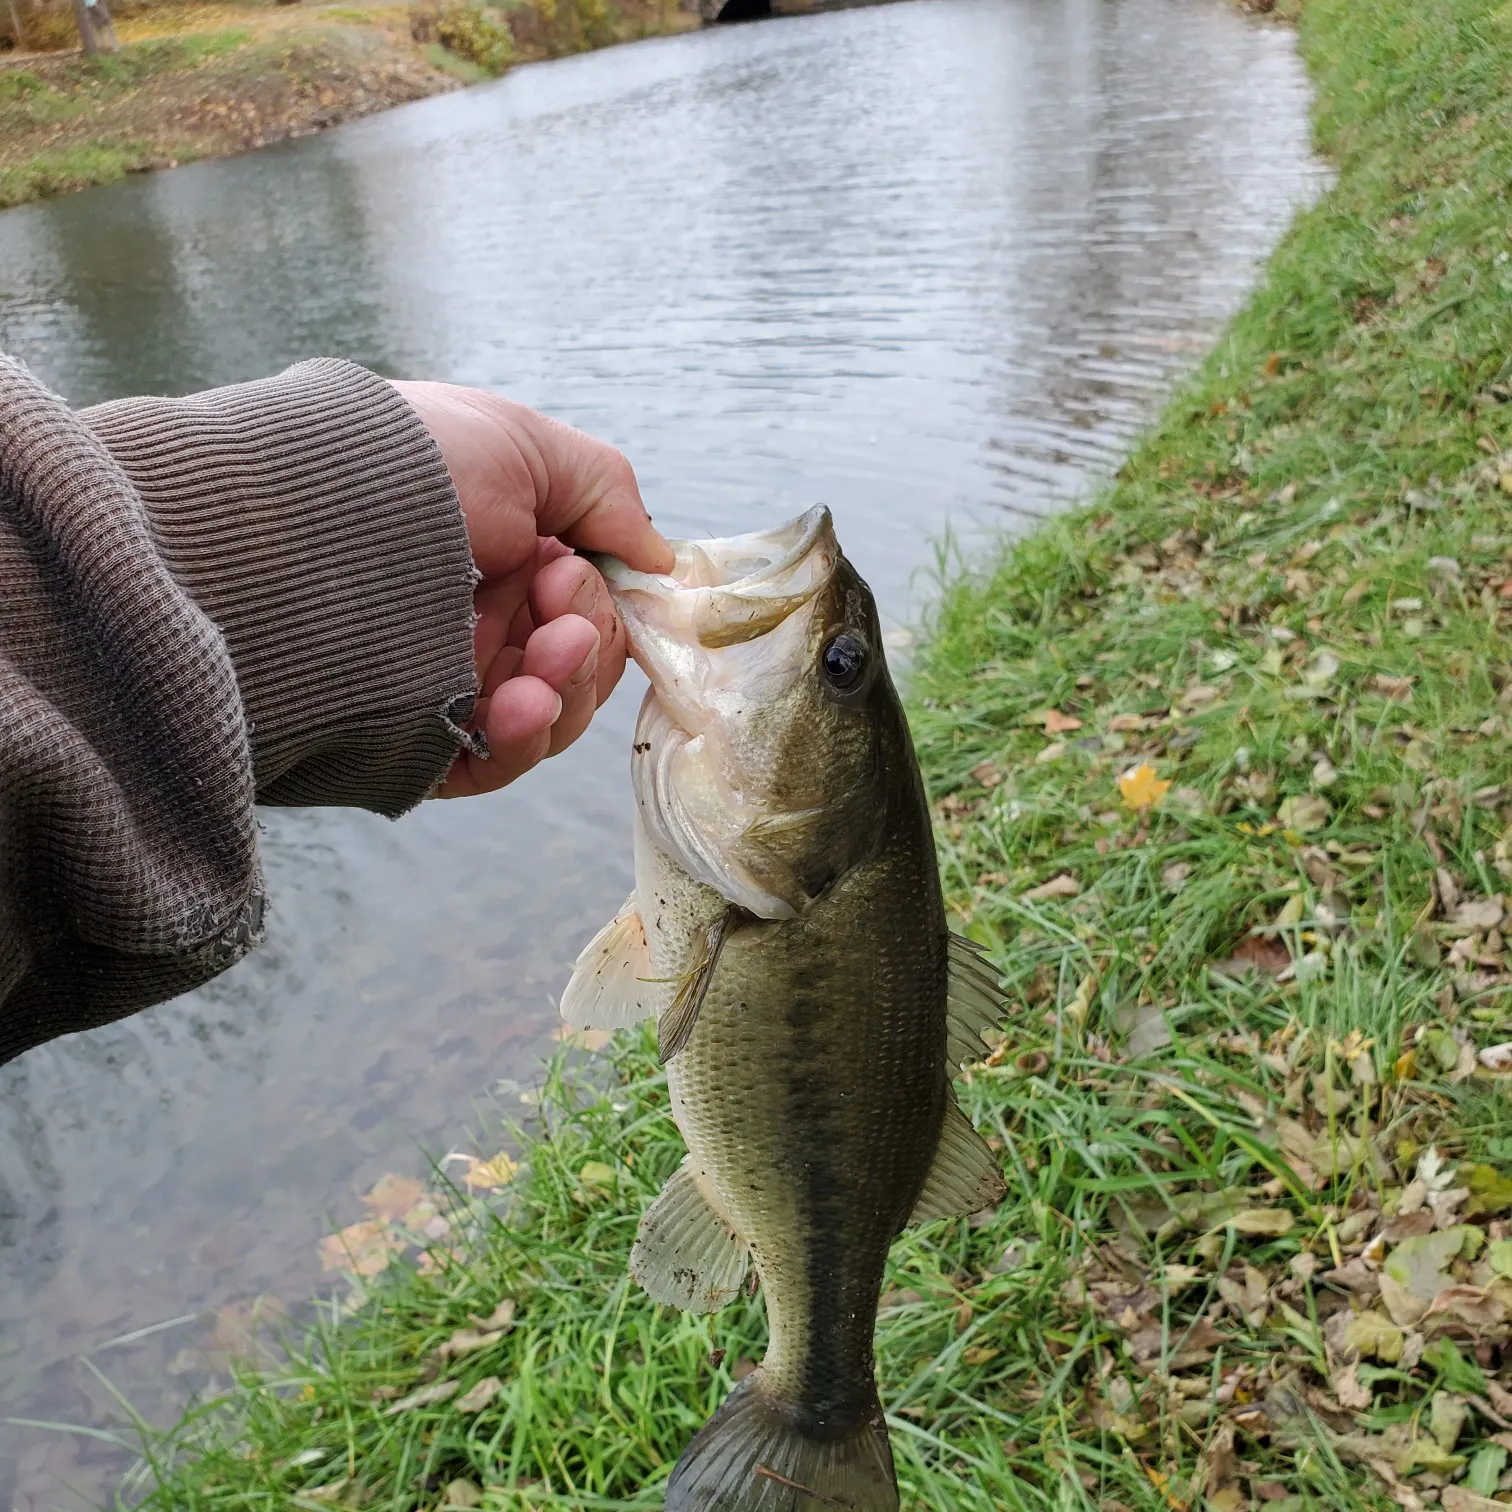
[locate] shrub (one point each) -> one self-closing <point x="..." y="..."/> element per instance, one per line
<point x="478" y="33"/>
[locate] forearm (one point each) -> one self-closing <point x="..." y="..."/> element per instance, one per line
<point x="259" y="593"/>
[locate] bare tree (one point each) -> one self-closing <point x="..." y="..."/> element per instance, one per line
<point x="96" y="30"/>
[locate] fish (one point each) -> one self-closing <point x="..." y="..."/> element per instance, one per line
<point x="787" y="932"/>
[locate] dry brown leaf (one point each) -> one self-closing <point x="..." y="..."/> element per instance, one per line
<point x="427" y="1396"/>
<point x="1497" y="1057"/>
<point x="394" y="1196"/>
<point x="1055" y="722"/>
<point x="468" y="1341"/>
<point x="1479" y="913"/>
<point x="1272" y="1221"/>
<point x="1063" y="885"/>
<point x="501" y="1317"/>
<point x="1353" y="1397"/>
<point x="479" y="1396"/>
<point x="1462" y="1499"/>
<point x="363" y="1248"/>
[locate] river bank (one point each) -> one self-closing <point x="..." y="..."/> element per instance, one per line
<point x="206" y="80"/>
<point x="1222" y="780"/>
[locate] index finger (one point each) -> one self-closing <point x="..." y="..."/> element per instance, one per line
<point x="586" y="493"/>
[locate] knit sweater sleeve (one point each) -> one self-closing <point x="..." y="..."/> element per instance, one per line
<point x="258" y="594"/>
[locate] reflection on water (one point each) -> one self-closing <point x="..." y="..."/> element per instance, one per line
<point x="928" y="263"/>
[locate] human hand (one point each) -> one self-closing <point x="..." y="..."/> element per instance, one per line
<point x="549" y="647"/>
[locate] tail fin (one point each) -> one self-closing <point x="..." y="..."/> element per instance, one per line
<point x="751" y="1457"/>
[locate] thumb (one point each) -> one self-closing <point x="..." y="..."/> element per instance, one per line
<point x="586" y="493"/>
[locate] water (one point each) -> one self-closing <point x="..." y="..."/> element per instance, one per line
<point x="929" y="263"/>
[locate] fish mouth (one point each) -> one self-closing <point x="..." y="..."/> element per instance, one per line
<point x="720" y="592"/>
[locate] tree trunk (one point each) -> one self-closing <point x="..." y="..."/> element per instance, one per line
<point x="96" y="32"/>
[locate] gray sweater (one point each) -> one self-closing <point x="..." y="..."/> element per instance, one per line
<point x="261" y="594"/>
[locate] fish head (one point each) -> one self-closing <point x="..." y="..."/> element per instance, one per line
<point x="760" y="754"/>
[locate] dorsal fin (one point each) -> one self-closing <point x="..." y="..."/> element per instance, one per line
<point x="974" y="1002"/>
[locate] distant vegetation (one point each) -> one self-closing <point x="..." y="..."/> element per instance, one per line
<point x="201" y="78"/>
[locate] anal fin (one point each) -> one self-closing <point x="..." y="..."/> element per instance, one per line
<point x="613" y="984"/>
<point x="686" y="1253"/>
<point x="965" y="1176"/>
<point x="974" y="1002"/>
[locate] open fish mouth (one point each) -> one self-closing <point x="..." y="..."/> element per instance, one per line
<point x="720" y="593"/>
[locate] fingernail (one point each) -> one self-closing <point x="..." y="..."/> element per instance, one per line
<point x="588" y="596"/>
<point x="558" y="713"/>
<point x="587" y="670"/>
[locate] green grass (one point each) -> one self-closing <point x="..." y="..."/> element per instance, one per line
<point x="1288" y="607"/>
<point x="63" y="169"/>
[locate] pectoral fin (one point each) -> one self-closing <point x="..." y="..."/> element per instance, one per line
<point x="613" y="984"/>
<point x="965" y="1177"/>
<point x="974" y="1002"/>
<point x="676" y="1024"/>
<point x="686" y="1254"/>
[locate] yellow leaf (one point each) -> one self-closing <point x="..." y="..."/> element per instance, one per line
<point x="1141" y="788"/>
<point x="487" y="1175"/>
<point x="979" y="1354"/>
<point x="596" y="1174"/>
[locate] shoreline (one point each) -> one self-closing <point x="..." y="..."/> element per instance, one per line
<point x="235" y="77"/>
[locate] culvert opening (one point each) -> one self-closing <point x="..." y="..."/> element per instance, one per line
<point x="746" y="10"/>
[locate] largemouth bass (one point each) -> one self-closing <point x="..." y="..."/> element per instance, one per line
<point x="787" y="932"/>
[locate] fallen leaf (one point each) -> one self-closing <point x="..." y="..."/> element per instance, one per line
<point x="1458" y="1498"/>
<point x="1268" y="956"/>
<point x="1272" y="1221"/>
<point x="979" y="1354"/>
<point x="427" y="1396"/>
<point x="468" y="1341"/>
<point x="480" y="1395"/>
<point x="1447" y="1419"/>
<point x="1055" y="722"/>
<point x="592" y="1040"/>
<point x="1303" y="813"/>
<point x="462" y="1493"/>
<point x="1417" y="1270"/>
<point x="501" y="1317"/>
<point x="1374" y="1337"/>
<point x="362" y="1249"/>
<point x="393" y="1197"/>
<point x="1063" y="885"/>
<point x="487" y="1175"/>
<point x="596" y="1174"/>
<point x="1398" y="689"/>
<point x="1351" y="1394"/>
<point x="1141" y="788"/>
<point x="1497" y="1057"/>
<point x="1479" y="913"/>
<point x="1052" y="752"/>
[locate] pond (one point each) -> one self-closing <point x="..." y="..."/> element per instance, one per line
<point x="929" y="263"/>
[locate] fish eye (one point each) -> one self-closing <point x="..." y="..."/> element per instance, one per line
<point x="844" y="662"/>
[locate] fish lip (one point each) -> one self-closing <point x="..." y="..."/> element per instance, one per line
<point x="672" y="619"/>
<point x="800" y="534"/>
